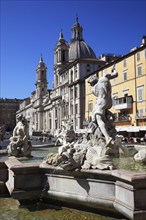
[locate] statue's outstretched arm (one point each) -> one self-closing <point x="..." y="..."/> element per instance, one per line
<point x="113" y="73"/>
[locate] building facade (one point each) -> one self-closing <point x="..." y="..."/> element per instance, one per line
<point x="50" y="110"/>
<point x="128" y="90"/>
<point x="8" y="109"/>
<point x="71" y="100"/>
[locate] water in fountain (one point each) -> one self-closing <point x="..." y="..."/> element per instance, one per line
<point x="10" y="209"/>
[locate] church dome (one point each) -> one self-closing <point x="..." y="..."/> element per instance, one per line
<point x="78" y="48"/>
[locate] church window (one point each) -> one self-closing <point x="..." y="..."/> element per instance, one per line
<point x="71" y="93"/>
<point x="76" y="92"/>
<point x="71" y="109"/>
<point x="88" y="67"/>
<point x="56" y="124"/>
<point x="63" y="55"/>
<point x="66" y="109"/>
<point x="56" y="112"/>
<point x="71" y="77"/>
<point x="76" y="74"/>
<point x="57" y="56"/>
<point x="76" y="108"/>
<point x="56" y="80"/>
<point x="42" y="73"/>
<point x="66" y="76"/>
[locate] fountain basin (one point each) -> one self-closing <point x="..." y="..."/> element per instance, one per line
<point x="119" y="191"/>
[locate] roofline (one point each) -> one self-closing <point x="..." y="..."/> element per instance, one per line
<point x="116" y="61"/>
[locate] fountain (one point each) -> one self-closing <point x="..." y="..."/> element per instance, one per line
<point x="83" y="173"/>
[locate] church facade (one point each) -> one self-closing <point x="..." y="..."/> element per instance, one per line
<point x="49" y="110"/>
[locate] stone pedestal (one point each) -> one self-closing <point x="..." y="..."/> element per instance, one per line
<point x="24" y="180"/>
<point x="118" y="191"/>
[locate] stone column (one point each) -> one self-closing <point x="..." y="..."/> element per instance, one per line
<point x="40" y="121"/>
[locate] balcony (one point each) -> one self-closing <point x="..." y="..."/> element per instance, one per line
<point x="123" y="103"/>
<point x="123" y="118"/>
<point x="140" y="117"/>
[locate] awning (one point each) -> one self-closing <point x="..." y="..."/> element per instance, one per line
<point x="142" y="128"/>
<point x="121" y="128"/>
<point x="133" y="129"/>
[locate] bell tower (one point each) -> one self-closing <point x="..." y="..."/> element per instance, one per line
<point x="61" y="51"/>
<point x="41" y="79"/>
<point x="41" y="91"/>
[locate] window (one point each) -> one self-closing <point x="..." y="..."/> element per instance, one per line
<point x="139" y="70"/>
<point x="63" y="55"/>
<point x="55" y="112"/>
<point x="88" y="67"/>
<point x="140" y="93"/>
<point x="71" y="109"/>
<point x="71" y="77"/>
<point x="125" y="76"/>
<point x="141" y="112"/>
<point x="90" y="106"/>
<point x="56" y="80"/>
<point x="71" y="93"/>
<point x="56" y="124"/>
<point x="76" y="74"/>
<point x="125" y="92"/>
<point x="124" y="63"/>
<point x="76" y="92"/>
<point x="56" y="56"/>
<point x="138" y="56"/>
<point x="76" y="108"/>
<point x="114" y="81"/>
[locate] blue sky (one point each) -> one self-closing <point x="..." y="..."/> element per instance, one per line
<point x="31" y="27"/>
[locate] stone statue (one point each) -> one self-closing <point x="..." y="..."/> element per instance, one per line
<point x="140" y="156"/>
<point x="100" y="142"/>
<point x="102" y="89"/>
<point x="20" y="144"/>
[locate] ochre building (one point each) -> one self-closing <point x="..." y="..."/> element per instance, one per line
<point x="128" y="90"/>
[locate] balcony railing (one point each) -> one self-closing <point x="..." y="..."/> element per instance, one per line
<point x="123" y="119"/>
<point x="140" y="116"/>
<point x="123" y="103"/>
